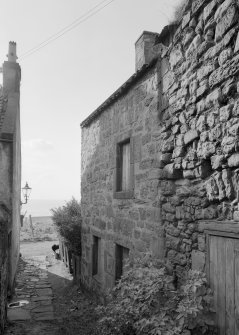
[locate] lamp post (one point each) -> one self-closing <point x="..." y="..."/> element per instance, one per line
<point x="26" y="190"/>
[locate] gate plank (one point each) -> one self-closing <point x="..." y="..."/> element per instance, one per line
<point x="213" y="270"/>
<point x="221" y="292"/>
<point x="230" y="292"/>
<point x="236" y="253"/>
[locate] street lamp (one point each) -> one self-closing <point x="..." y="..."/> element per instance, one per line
<point x="26" y="190"/>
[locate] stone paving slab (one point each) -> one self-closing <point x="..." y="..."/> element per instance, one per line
<point x="46" y="316"/>
<point x="43" y="309"/>
<point x="42" y="298"/>
<point x="44" y="292"/>
<point x="18" y="314"/>
<point x="43" y="286"/>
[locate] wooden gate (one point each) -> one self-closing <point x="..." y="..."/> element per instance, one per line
<point x="223" y="268"/>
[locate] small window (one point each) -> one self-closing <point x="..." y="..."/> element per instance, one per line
<point x="121" y="255"/>
<point x="123" y="178"/>
<point x="95" y="255"/>
<point x="124" y="170"/>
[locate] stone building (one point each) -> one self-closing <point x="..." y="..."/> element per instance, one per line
<point x="160" y="159"/>
<point x="120" y="210"/>
<point x="10" y="177"/>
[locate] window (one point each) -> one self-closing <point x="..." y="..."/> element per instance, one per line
<point x="9" y="242"/>
<point x="121" y="255"/>
<point x="95" y="255"/>
<point x="124" y="170"/>
<point x="123" y="180"/>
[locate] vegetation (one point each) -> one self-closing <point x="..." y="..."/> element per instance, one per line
<point x="145" y="301"/>
<point x="179" y="10"/>
<point x="67" y="220"/>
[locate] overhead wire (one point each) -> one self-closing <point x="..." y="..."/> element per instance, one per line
<point x="91" y="12"/>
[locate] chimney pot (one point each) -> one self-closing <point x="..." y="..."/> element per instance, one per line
<point x="12" y="52"/>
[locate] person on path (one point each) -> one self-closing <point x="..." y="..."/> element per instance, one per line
<point x="54" y="248"/>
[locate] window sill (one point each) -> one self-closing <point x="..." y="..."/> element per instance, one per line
<point x="124" y="195"/>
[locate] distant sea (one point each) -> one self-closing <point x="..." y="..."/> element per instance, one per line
<point x="41" y="207"/>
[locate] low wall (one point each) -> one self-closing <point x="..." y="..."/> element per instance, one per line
<point x="72" y="261"/>
<point x="65" y="254"/>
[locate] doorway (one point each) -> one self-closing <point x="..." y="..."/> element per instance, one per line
<point x="223" y="272"/>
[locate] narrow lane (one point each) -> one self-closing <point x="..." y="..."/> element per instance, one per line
<point x="46" y="301"/>
<point x="31" y="309"/>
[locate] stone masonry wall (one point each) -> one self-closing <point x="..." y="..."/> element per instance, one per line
<point x="183" y="116"/>
<point x="133" y="223"/>
<point x="4" y="219"/>
<point x="10" y="130"/>
<point x="5" y="213"/>
<point x="10" y="178"/>
<point x="200" y="110"/>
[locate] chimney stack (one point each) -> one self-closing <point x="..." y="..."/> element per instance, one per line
<point x="11" y="70"/>
<point x="11" y="87"/>
<point x="12" y="52"/>
<point x="144" y="51"/>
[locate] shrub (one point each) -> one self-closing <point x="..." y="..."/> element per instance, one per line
<point x="67" y="220"/>
<point x="146" y="302"/>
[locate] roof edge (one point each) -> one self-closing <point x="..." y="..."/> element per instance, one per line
<point x="148" y="33"/>
<point x="119" y="92"/>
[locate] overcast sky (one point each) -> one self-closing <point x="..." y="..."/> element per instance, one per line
<point x="69" y="78"/>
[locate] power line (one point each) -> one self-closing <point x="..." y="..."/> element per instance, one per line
<point x="63" y="29"/>
<point x="91" y="12"/>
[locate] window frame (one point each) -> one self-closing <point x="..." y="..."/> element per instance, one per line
<point x="129" y="193"/>
<point x="95" y="246"/>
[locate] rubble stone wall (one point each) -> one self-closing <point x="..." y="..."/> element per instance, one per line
<point x="183" y="117"/>
<point x="200" y="122"/>
<point x="4" y="263"/>
<point x="134" y="223"/>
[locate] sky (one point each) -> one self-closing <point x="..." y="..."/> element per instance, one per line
<point x="66" y="80"/>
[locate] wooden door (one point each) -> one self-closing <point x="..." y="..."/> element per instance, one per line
<point x="224" y="280"/>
